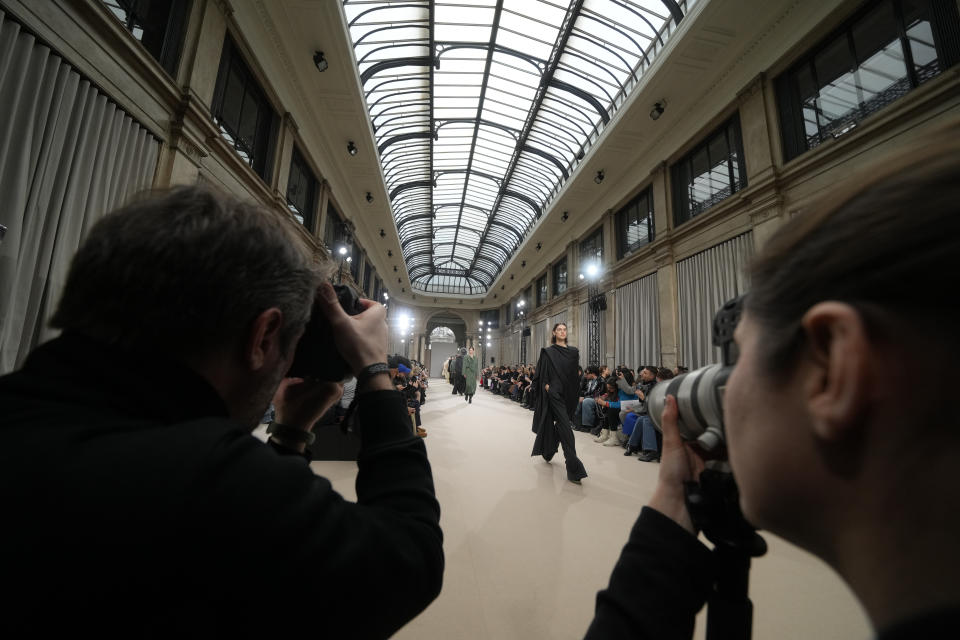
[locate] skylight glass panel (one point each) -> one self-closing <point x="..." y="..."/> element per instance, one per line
<point x="501" y="98"/>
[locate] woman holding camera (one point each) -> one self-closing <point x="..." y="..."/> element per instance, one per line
<point x="824" y="454"/>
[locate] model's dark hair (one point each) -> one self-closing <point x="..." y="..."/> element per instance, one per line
<point x="888" y="245"/>
<point x="185" y="271"/>
<point x="553" y="332"/>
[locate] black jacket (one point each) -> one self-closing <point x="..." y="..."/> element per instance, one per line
<point x="135" y="507"/>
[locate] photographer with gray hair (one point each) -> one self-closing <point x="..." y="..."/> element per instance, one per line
<point x="138" y="503"/>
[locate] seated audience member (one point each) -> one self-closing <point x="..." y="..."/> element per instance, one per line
<point x="588" y="385"/>
<point x="644" y="437"/>
<point x="610" y="405"/>
<point x="143" y="506"/>
<point x="589" y="411"/>
<point x="824" y="454"/>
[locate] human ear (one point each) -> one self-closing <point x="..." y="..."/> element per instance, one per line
<point x="839" y="369"/>
<point x="263" y="338"/>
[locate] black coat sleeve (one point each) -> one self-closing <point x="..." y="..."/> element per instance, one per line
<point x="274" y="530"/>
<point x="660" y="582"/>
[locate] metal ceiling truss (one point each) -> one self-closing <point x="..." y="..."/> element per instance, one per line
<point x="483" y="110"/>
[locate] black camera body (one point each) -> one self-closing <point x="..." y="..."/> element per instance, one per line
<point x="317" y="355"/>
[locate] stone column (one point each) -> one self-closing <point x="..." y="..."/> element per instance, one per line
<point x="669" y="307"/>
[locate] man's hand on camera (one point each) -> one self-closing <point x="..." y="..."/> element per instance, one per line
<point x="361" y="339"/>
<point x="300" y="403"/>
<point x="678" y="464"/>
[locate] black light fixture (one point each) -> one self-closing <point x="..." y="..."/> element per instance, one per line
<point x="320" y="61"/>
<point x="369" y="197"/>
<point x="383" y="233"/>
<point x="563" y="218"/>
<point x="389" y="253"/>
<point x="399" y="280"/>
<point x="523" y="264"/>
<point x="657" y="110"/>
<point x="351" y="148"/>
<point x="511" y="277"/>
<point x="599" y="177"/>
<point x="394" y="268"/>
<point x="539" y="246"/>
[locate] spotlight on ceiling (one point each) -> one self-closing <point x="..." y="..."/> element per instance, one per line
<point x="351" y="148"/>
<point x="657" y="110"/>
<point x="599" y="178"/>
<point x="523" y="264"/>
<point x="539" y="246"/>
<point x="369" y="197"/>
<point x="383" y="233"/>
<point x="566" y="214"/>
<point x="320" y="61"/>
<point x="389" y="253"/>
<point x="394" y="268"/>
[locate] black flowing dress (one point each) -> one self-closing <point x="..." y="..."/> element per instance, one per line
<point x="557" y="367"/>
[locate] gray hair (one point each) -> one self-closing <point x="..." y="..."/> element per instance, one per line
<point x="185" y="271"/>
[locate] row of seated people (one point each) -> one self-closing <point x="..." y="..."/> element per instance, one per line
<point x="613" y="407"/>
<point x="410" y="379"/>
<point x="612" y="404"/>
<point x="513" y="381"/>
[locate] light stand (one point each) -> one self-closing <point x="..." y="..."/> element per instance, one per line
<point x="523" y="340"/>
<point x="596" y="302"/>
<point x="343" y="258"/>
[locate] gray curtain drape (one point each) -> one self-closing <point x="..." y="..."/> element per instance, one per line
<point x="67" y="156"/>
<point x="539" y="335"/>
<point x="704" y="282"/>
<point x="638" y="323"/>
<point x="584" y="336"/>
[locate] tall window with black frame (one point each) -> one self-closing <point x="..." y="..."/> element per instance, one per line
<point x="560" y="277"/>
<point x="241" y="109"/>
<point x="710" y="173"/>
<point x="885" y="50"/>
<point x="634" y="223"/>
<point x="159" y="25"/>
<point x="302" y="190"/>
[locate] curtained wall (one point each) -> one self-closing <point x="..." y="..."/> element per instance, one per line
<point x="67" y="156"/>
<point x="638" y="323"/>
<point x="704" y="282"/>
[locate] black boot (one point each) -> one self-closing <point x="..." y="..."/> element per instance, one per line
<point x="631" y="450"/>
<point x="575" y="471"/>
<point x="470" y="400"/>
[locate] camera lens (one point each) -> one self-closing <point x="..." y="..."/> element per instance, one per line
<point x="699" y="397"/>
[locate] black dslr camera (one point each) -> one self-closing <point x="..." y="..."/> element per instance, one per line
<point x="317" y="355"/>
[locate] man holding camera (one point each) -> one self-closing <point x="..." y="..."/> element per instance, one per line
<point x="139" y="504"/>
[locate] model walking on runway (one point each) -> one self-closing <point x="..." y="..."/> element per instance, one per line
<point x="469" y="376"/>
<point x="557" y="385"/>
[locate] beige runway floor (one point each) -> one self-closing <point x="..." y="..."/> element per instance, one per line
<point x="527" y="551"/>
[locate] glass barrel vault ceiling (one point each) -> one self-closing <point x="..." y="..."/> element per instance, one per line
<point x="482" y="109"/>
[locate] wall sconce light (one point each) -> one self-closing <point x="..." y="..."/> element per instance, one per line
<point x="389" y="253"/>
<point x="599" y="177"/>
<point x="563" y="218"/>
<point x="399" y="280"/>
<point x="539" y="246"/>
<point x="394" y="268"/>
<point x="369" y="197"/>
<point x="657" y="110"/>
<point x="351" y="148"/>
<point x="523" y="264"/>
<point x="383" y="233"/>
<point x="320" y="61"/>
<point x="511" y="276"/>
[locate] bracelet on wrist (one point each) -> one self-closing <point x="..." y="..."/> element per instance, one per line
<point x="291" y="434"/>
<point x="368" y="372"/>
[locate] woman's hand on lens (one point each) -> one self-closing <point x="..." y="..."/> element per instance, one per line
<point x="679" y="463"/>
<point x="361" y="339"/>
